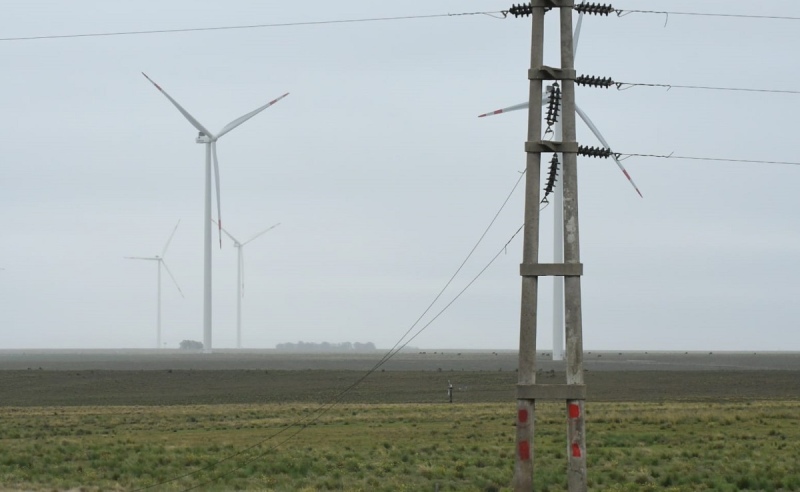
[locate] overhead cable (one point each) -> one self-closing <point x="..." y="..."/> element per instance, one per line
<point x="606" y="82"/>
<point x="254" y="26"/>
<point x="622" y="13"/>
<point x="526" y="9"/>
<point x="627" y="85"/>
<point x="715" y="159"/>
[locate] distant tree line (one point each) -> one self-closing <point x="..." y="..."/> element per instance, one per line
<point x="325" y="347"/>
<point x="191" y="345"/>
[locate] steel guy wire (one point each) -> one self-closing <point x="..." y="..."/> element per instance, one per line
<point x="301" y="424"/>
<point x="325" y="407"/>
<point x="461" y="266"/>
<point x="338" y="398"/>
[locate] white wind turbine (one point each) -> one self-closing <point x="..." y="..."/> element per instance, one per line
<point x="160" y="262"/>
<point x="210" y="141"/>
<point x="558" y="220"/>
<point x="240" y="277"/>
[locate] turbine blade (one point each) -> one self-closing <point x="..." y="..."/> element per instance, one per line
<point x="577" y="35"/>
<point x="185" y="113"/>
<point x="172" y="277"/>
<point x="506" y="110"/>
<point x="164" y="251"/>
<point x="226" y="233"/>
<point x="602" y="140"/>
<point x="261" y="234"/>
<point x="216" y="181"/>
<point x="238" y="121"/>
<point x="139" y="258"/>
<point x="514" y="107"/>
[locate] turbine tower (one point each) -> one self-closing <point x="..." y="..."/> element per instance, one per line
<point x="240" y="277"/>
<point x="558" y="219"/>
<point x="160" y="262"/>
<point x="210" y="141"/>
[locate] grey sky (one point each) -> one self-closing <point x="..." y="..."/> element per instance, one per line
<point x="383" y="177"/>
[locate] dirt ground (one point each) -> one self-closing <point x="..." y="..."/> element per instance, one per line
<point x="55" y="378"/>
<point x="419" y="360"/>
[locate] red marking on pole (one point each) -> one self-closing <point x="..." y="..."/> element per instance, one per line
<point x="626" y="174"/>
<point x="524" y="450"/>
<point x="574" y="411"/>
<point x="576" y="450"/>
<point x="498" y="111"/>
<point x="522" y="416"/>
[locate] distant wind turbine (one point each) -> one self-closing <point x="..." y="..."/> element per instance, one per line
<point x="240" y="277"/>
<point x="161" y="262"/>
<point x="210" y="140"/>
<point x="558" y="220"/>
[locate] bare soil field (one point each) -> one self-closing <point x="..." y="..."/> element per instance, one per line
<point x="420" y="360"/>
<point x="99" y="378"/>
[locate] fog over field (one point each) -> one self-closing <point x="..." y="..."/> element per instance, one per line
<point x="419" y="360"/>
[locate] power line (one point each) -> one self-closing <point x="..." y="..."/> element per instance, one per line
<point x="606" y="82"/>
<point x="605" y="153"/>
<point x="622" y="13"/>
<point x="627" y="85"/>
<point x="714" y="159"/>
<point x="501" y="14"/>
<point x="526" y="9"/>
<point x="301" y="424"/>
<point x="253" y="26"/>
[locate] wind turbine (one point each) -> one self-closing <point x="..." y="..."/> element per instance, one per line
<point x="558" y="219"/>
<point x="210" y="141"/>
<point x="161" y="262"/>
<point x="240" y="277"/>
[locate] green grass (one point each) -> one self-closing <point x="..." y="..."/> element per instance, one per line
<point x="727" y="446"/>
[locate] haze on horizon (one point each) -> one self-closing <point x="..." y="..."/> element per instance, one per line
<point x="383" y="177"/>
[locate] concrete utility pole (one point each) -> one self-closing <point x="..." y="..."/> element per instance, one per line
<point x="526" y="377"/>
<point x="558" y="257"/>
<point x="574" y="392"/>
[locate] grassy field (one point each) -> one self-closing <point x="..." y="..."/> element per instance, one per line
<point x="231" y="424"/>
<point x="726" y="446"/>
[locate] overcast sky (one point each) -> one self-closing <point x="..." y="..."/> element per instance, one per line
<point x="383" y="177"/>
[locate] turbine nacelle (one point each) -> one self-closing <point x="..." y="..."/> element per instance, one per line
<point x="202" y="138"/>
